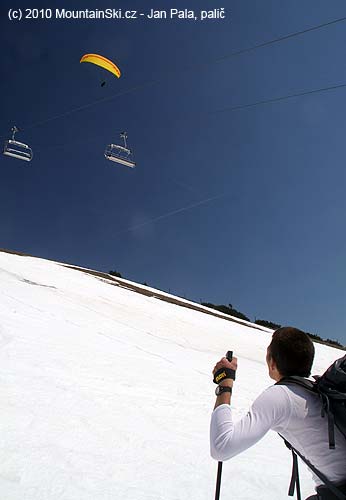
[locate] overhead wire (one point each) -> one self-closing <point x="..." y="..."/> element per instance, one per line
<point x="239" y="107"/>
<point x="253" y="104"/>
<point x="233" y="108"/>
<point x="280" y="39"/>
<point x="172" y="212"/>
<point x="190" y="68"/>
<point x="280" y="98"/>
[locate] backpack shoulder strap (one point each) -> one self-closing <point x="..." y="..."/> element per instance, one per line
<point x="314" y="387"/>
<point x="308" y="384"/>
<point x="295" y="476"/>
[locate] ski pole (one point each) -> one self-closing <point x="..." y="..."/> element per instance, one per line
<point x="218" y="480"/>
<point x="229" y="356"/>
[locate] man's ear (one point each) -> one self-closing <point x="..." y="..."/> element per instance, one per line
<point x="268" y="356"/>
<point x="272" y="364"/>
<point x="273" y="370"/>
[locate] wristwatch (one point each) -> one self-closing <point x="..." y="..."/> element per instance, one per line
<point x="220" y="389"/>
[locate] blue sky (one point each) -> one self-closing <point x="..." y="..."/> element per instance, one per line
<point x="228" y="206"/>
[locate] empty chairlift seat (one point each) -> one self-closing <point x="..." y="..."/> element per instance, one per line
<point x="120" y="154"/>
<point x="17" y="149"/>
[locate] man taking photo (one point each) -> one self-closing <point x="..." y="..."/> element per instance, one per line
<point x="290" y="410"/>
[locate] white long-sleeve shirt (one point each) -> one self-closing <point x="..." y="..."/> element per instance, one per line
<point x="295" y="414"/>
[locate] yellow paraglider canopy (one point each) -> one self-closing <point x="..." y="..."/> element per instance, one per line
<point x="103" y="62"/>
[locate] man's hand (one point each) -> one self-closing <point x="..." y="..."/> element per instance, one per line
<point x="224" y="363"/>
<point x="224" y="398"/>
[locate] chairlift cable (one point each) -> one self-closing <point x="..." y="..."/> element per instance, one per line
<point x="280" y="39"/>
<point x="277" y="99"/>
<point x="249" y="105"/>
<point x="193" y="67"/>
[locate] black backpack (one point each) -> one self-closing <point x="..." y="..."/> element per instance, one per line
<point x="331" y="388"/>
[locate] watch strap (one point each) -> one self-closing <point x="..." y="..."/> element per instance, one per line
<point x="221" y="389"/>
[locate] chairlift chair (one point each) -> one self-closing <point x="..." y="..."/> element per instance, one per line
<point x="120" y="154"/>
<point x="17" y="149"/>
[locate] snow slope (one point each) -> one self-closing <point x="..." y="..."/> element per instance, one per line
<point x="106" y="393"/>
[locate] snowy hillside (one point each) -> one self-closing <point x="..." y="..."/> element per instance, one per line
<point x="106" y="393"/>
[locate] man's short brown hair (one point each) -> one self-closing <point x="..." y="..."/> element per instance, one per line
<point x="293" y="351"/>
